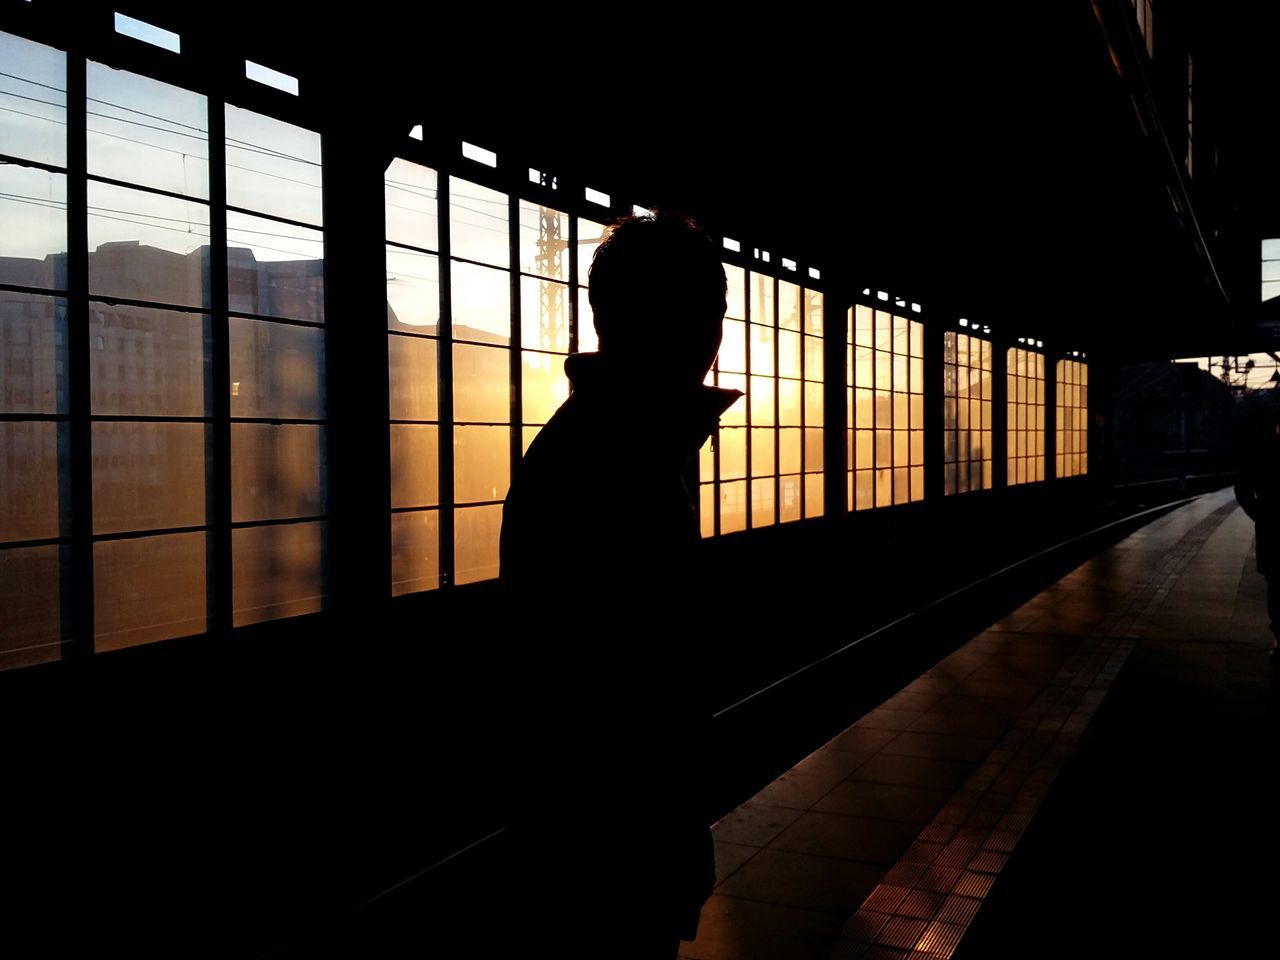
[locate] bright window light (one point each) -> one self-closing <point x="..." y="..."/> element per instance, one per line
<point x="597" y="196"/>
<point x="416" y="132"/>
<point x="271" y="78"/>
<point x="147" y="33"/>
<point x="479" y="154"/>
<point x="731" y="244"/>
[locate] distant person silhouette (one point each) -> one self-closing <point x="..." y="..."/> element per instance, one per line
<point x="1258" y="491"/>
<point x="609" y="821"/>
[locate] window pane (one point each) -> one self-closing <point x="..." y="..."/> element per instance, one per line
<point x="277" y="471"/>
<point x="146" y="132"/>
<point x="481" y="384"/>
<point x="788" y="305"/>
<point x="478" y="223"/>
<point x="33" y="99"/>
<point x="149" y="363"/>
<point x="789" y="507"/>
<point x="544" y="315"/>
<point x="543" y="384"/>
<point x="789" y="451"/>
<point x="762" y="311"/>
<point x="412" y="362"/>
<point x="415" y="552"/>
<point x="706" y="509"/>
<point x="482" y="463"/>
<point x="277" y="571"/>
<point x="587" y="339"/>
<point x="813" y="404"/>
<point x="762" y="350"/>
<point x="762" y="463"/>
<point x="814" y="313"/>
<point x="33" y="243"/>
<point x="273" y="167"/>
<point x="544" y="238"/>
<point x="735" y="296"/>
<point x="763" y="497"/>
<point x="813" y="453"/>
<point x="762" y="407"/>
<point x="148" y="476"/>
<point x="274" y="269"/>
<point x="411" y="205"/>
<point x="733" y="347"/>
<point x="813" y="495"/>
<point x="733" y="506"/>
<point x="150" y="588"/>
<point x="33" y="458"/>
<point x="789" y="359"/>
<point x="789" y="394"/>
<point x="590" y="234"/>
<point x="481" y="304"/>
<point x="30" y="605"/>
<point x="813" y="367"/>
<point x="733" y="453"/>
<point x="277" y="370"/>
<point x="736" y="415"/>
<point x="413" y="291"/>
<point x="415" y="465"/>
<point x="33" y="354"/>
<point x="475" y="547"/>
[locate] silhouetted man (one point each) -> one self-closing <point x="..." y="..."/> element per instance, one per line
<point x="1258" y="491"/>
<point x="609" y="826"/>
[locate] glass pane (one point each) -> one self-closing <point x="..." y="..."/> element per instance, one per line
<point x="33" y="99"/>
<point x="813" y="404"/>
<point x="707" y="461"/>
<point x="543" y="384"/>
<point x="590" y="234"/>
<point x="588" y="341"/>
<point x="762" y="347"/>
<point x="813" y="453"/>
<point x="33" y="243"/>
<point x="789" y="402"/>
<point x="476" y="531"/>
<point x="411" y="207"/>
<point x="146" y="132"/>
<point x="33" y="459"/>
<point x="762" y="452"/>
<point x="544" y="239"/>
<point x="733" y="453"/>
<point x="733" y="506"/>
<point x="413" y="291"/>
<point x="481" y="384"/>
<point x="481" y="304"/>
<point x="866" y="449"/>
<point x="813" y="495"/>
<point x="789" y="444"/>
<point x="150" y="588"/>
<point x="762" y="407"/>
<point x="273" y="167"/>
<point x="762" y="503"/>
<point x="813" y="313"/>
<point x="412" y="362"/>
<point x="415" y="552"/>
<point x="30" y="605"/>
<point x="33" y="354"/>
<point x="706" y="509"/>
<point x="478" y="223"/>
<point x="735" y="292"/>
<point x="277" y="471"/>
<point x="274" y="269"/>
<point x="415" y="465"/>
<point x="737" y="412"/>
<point x="789" y="359"/>
<point x="544" y="315"/>
<point x="762" y="311"/>
<point x="482" y="463"/>
<point x="148" y="476"/>
<point x="865" y="496"/>
<point x="788" y="305"/>
<point x="862" y="326"/>
<point x="733" y="347"/>
<point x="277" y="370"/>
<point x="149" y="363"/>
<point x="813" y="359"/>
<point x="277" y="571"/>
<point x="789" y="507"/>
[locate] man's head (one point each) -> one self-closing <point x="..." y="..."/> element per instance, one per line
<point x="658" y="296"/>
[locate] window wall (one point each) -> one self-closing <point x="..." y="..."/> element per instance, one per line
<point x="765" y="464"/>
<point x="885" y="397"/>
<point x="1073" y="418"/>
<point x="1024" y="374"/>
<point x="966" y="412"/>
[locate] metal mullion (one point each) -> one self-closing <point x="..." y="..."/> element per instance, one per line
<point x="777" y="413"/>
<point x="400" y="245"/>
<point x="51" y="292"/>
<point x="715" y="472"/>
<point x="149" y="305"/>
<point x="283" y="421"/>
<point x="285" y="321"/>
<point x="574" y="319"/>
<point x="444" y="380"/>
<point x="140" y="534"/>
<point x="79" y="371"/>
<point x="10" y="159"/>
<point x="804" y="402"/>
<point x="750" y="473"/>
<point x="415" y="336"/>
<point x="423" y="509"/>
<point x="34" y="418"/>
<point x="35" y="542"/>
<point x="143" y="188"/>
<point x="221" y="571"/>
<point x="516" y="359"/>
<point x="279" y="521"/>
<point x="261" y="215"/>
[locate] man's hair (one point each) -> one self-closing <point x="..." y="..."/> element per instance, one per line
<point x="658" y="270"/>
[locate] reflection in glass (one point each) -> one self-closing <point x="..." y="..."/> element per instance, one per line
<point x="478" y="223"/>
<point x="33" y="353"/>
<point x="30" y="605"/>
<point x="278" y="471"/>
<point x="413" y="291"/>
<point x="33" y="455"/>
<point x="147" y="589"/>
<point x="475" y="545"/>
<point x="415" y="552"/>
<point x="277" y="370"/>
<point x="544" y="315"/>
<point x="411" y="205"/>
<point x="481" y="384"/>
<point x="146" y="132"/>
<point x="273" y="167"/>
<point x="33" y="99"/>
<point x="415" y="465"/>
<point x="274" y="269"/>
<point x="482" y="463"/>
<point x="278" y="570"/>
<point x="481" y="304"/>
<point x="147" y="362"/>
<point x="148" y="476"/>
<point x="33" y="243"/>
<point x="543" y="384"/>
<point x="412" y="362"/>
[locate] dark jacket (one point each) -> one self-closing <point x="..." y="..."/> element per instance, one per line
<point x="597" y="560"/>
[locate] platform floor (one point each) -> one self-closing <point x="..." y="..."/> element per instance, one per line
<point x="1097" y="767"/>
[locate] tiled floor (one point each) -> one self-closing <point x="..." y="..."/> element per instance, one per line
<point x="884" y="842"/>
